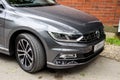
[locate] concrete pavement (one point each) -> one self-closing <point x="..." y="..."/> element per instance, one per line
<point x="100" y="69"/>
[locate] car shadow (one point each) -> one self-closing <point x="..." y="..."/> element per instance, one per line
<point x="56" y="73"/>
<point x="7" y="57"/>
<point x="60" y="73"/>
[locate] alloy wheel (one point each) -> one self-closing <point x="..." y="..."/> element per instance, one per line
<point x="25" y="53"/>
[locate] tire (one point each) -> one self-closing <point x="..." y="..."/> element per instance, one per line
<point x="29" y="53"/>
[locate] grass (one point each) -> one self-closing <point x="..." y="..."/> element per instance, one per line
<point x="113" y="40"/>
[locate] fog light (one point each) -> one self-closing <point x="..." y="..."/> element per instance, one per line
<point x="59" y="62"/>
<point x="72" y="62"/>
<point x="68" y="56"/>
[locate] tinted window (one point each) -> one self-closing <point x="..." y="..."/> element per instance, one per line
<point x="30" y="3"/>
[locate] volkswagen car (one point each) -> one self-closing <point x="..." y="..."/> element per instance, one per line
<point x="44" y="33"/>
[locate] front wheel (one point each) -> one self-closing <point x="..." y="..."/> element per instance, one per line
<point x="29" y="53"/>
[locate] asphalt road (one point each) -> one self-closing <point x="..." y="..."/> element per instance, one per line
<point x="100" y="69"/>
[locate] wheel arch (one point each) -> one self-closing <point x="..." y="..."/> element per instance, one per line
<point x="12" y="38"/>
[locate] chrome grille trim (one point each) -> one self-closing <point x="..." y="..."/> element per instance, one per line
<point x="90" y="37"/>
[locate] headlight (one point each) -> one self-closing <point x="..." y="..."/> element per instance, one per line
<point x="67" y="37"/>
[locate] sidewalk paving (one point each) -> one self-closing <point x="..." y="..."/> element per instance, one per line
<point x="111" y="51"/>
<point x="100" y="69"/>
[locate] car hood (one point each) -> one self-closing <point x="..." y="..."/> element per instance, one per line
<point x="61" y="14"/>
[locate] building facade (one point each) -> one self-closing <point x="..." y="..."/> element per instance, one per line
<point x="108" y="11"/>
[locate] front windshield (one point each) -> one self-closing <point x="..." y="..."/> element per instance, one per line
<point x="31" y="3"/>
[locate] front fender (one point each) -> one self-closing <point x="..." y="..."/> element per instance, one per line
<point x="38" y="33"/>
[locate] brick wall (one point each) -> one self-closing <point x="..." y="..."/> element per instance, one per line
<point x="108" y="11"/>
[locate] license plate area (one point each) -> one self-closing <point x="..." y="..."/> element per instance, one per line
<point x="99" y="46"/>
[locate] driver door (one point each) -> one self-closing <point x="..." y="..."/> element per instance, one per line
<point x="2" y="23"/>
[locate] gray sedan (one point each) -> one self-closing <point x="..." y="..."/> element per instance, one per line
<point x="44" y="33"/>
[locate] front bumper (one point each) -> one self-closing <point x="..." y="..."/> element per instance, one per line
<point x="84" y="51"/>
<point x="75" y="62"/>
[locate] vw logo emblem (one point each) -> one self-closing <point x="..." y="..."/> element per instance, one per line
<point x="98" y="34"/>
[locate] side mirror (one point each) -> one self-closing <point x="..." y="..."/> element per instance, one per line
<point x="1" y="8"/>
<point x="1" y="5"/>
